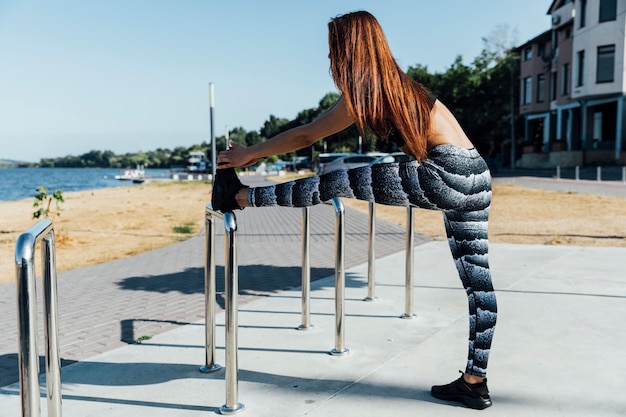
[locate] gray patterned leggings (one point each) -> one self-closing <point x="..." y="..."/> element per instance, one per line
<point x="453" y="180"/>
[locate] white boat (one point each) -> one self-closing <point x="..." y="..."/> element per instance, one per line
<point x="197" y="162"/>
<point x="136" y="175"/>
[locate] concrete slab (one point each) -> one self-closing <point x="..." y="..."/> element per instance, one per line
<point x="558" y="349"/>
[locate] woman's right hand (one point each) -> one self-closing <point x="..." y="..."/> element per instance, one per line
<point x="234" y="157"/>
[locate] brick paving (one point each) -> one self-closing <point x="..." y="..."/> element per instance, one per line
<point x="107" y="306"/>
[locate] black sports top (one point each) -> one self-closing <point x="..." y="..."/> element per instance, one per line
<point x="394" y="135"/>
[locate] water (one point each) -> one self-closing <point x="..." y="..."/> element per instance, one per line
<point x="21" y="183"/>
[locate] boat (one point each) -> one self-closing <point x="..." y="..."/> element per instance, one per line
<point x="197" y="162"/>
<point x="137" y="175"/>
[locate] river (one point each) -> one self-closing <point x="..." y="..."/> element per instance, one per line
<point x="21" y="183"/>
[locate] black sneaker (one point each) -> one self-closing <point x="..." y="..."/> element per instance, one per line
<point x="474" y="396"/>
<point x="225" y="188"/>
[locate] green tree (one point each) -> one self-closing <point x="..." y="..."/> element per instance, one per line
<point x="272" y="126"/>
<point x="477" y="94"/>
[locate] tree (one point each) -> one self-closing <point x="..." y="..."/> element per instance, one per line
<point x="272" y="126"/>
<point x="477" y="94"/>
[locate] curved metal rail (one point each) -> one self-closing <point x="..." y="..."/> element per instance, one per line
<point x="43" y="232"/>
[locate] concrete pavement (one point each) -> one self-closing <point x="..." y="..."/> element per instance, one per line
<point x="111" y="305"/>
<point x="558" y="348"/>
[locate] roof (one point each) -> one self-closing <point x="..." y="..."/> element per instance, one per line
<point x="545" y="36"/>
<point x="557" y="4"/>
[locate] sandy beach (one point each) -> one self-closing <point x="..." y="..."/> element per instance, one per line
<point x="106" y="224"/>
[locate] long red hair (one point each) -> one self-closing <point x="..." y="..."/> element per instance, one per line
<point x="378" y="94"/>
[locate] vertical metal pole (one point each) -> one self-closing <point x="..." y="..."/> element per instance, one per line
<point x="599" y="174"/>
<point x="340" y="278"/>
<point x="209" y="294"/>
<point x="306" y="271"/>
<point x="371" y="253"/>
<point x="27" y="331"/>
<point x="558" y="172"/>
<point x="232" y="406"/>
<point x="577" y="173"/>
<point x="213" y="147"/>
<point x="623" y="174"/>
<point x="408" y="290"/>
<point x="510" y="58"/>
<point x="51" y="327"/>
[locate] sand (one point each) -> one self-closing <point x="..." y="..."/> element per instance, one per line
<point x="102" y="225"/>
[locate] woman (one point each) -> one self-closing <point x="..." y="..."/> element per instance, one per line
<point x="448" y="174"/>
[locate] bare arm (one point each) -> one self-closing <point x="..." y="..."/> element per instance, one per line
<point x="334" y="120"/>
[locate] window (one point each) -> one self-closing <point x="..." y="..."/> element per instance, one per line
<point x="528" y="53"/>
<point x="541" y="50"/>
<point x="541" y="88"/>
<point x="567" y="33"/>
<point x="583" y="13"/>
<point x="527" y="94"/>
<point x="580" y="81"/>
<point x="553" y="86"/>
<point x="608" y="10"/>
<point x="565" y="80"/>
<point x="605" y="66"/>
<point x="597" y="128"/>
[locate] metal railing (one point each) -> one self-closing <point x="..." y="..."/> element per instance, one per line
<point x="232" y="405"/>
<point x="231" y="285"/>
<point x="28" y="357"/>
<point x="408" y="284"/>
<point x="598" y="175"/>
<point x="371" y="253"/>
<point x="306" y="270"/>
<point x="340" y="278"/>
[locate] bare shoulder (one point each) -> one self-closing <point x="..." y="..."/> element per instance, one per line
<point x="445" y="129"/>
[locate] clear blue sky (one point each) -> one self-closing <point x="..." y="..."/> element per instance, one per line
<point x="133" y="75"/>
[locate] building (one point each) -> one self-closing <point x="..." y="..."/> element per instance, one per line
<point x="572" y="87"/>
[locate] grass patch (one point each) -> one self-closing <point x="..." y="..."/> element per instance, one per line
<point x="186" y="228"/>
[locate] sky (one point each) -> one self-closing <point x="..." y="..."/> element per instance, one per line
<point x="134" y="75"/>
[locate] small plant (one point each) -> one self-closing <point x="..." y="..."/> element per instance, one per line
<point x="143" y="339"/>
<point x="186" y="228"/>
<point x="43" y="201"/>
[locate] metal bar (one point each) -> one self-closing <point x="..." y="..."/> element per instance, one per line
<point x="28" y="360"/>
<point x="577" y="173"/>
<point x="599" y="173"/>
<point x="51" y="328"/>
<point x="306" y="271"/>
<point x="231" y="286"/>
<point x="212" y="127"/>
<point x="340" y="278"/>
<point x="408" y="304"/>
<point x="209" y="293"/>
<point x="371" y="253"/>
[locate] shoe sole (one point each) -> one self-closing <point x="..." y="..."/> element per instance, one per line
<point x="475" y="403"/>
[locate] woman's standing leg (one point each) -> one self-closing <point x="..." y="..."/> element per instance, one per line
<point x="467" y="238"/>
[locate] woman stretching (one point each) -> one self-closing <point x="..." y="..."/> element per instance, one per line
<point x="447" y="174"/>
